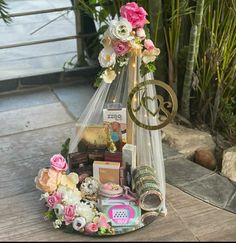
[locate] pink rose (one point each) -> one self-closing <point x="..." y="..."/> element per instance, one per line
<point x="69" y="214"/>
<point x="91" y="228"/>
<point x="102" y="222"/>
<point x="120" y="47"/>
<point x="134" y="14"/>
<point x="148" y="44"/>
<point x="54" y="199"/>
<point x="140" y="32"/>
<point x="58" y="163"/>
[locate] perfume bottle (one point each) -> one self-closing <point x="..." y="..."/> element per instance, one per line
<point x="110" y="144"/>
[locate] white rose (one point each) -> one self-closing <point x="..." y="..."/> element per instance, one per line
<point x="107" y="57"/>
<point x="106" y="39"/>
<point x="86" y="211"/>
<point x="121" y="29"/>
<point x="70" y="197"/>
<point x="108" y="76"/>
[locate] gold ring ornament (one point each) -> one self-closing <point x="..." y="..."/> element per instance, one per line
<point x="139" y="99"/>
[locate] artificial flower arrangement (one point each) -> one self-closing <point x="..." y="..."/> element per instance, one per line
<point x="126" y="37"/>
<point x="67" y="205"/>
<point x="72" y="200"/>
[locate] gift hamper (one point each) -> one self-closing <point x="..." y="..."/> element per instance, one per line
<point x="111" y="180"/>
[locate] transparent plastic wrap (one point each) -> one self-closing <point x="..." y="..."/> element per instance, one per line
<point x="148" y="142"/>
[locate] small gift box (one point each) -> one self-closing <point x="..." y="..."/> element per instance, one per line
<point x="114" y="157"/>
<point x="129" y="155"/>
<point x="92" y="135"/>
<point x="96" y="153"/>
<point x="105" y="171"/>
<point x="79" y="163"/>
<point x="76" y="159"/>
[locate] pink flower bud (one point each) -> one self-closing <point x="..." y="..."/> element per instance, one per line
<point x="148" y="44"/>
<point x="140" y="32"/>
<point x="91" y="228"/>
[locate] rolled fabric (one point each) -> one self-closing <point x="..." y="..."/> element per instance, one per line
<point x="147" y="188"/>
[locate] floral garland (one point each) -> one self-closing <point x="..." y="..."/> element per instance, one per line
<point x="67" y="205"/>
<point x="124" y="38"/>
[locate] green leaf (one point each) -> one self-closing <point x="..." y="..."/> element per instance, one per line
<point x="103" y="29"/>
<point x="50" y="214"/>
<point x="143" y="70"/>
<point x="97" y="82"/>
<point x="151" y="67"/>
<point x="147" y="68"/>
<point x="92" y="2"/>
<point x="69" y="229"/>
<point x="4" y="15"/>
<point x="65" y="148"/>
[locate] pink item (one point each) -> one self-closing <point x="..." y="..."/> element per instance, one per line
<point x="91" y="228"/>
<point x="120" y="47"/>
<point x="140" y="32"/>
<point x="128" y="194"/>
<point x="121" y="214"/>
<point x="54" y="199"/>
<point x="102" y="222"/>
<point x="69" y="214"/>
<point x="148" y="44"/>
<point x="111" y="190"/>
<point x="58" y="163"/>
<point x="134" y="14"/>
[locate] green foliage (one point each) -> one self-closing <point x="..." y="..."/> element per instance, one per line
<point x="50" y="215"/>
<point x="4" y="15"/>
<point x="216" y="66"/>
<point x="192" y="54"/>
<point x="65" y="148"/>
<point x="147" y="68"/>
<point x="98" y="81"/>
<point x="174" y="12"/>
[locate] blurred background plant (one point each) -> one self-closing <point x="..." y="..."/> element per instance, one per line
<point x="4" y="12"/>
<point x="216" y="67"/>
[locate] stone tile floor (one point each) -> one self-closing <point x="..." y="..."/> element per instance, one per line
<point x="34" y="124"/>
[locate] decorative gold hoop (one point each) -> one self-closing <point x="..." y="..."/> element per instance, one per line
<point x="173" y="103"/>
